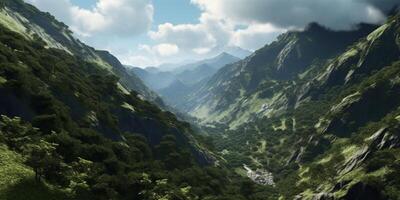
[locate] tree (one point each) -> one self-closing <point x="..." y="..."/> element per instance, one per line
<point x="43" y="159"/>
<point x="247" y="188"/>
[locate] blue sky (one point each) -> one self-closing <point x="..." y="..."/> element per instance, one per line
<point x="175" y="11"/>
<point x="152" y="32"/>
<point x="84" y="4"/>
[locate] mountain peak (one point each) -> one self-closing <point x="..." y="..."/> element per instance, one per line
<point x="224" y="55"/>
<point x="315" y="27"/>
<point x="238" y="52"/>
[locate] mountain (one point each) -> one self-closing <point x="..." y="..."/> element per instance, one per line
<point x="193" y="76"/>
<point x="215" y="62"/>
<point x="155" y="80"/>
<point x="25" y="20"/>
<point x="314" y="115"/>
<point x="170" y="84"/>
<point x="238" y="52"/>
<point x="175" y="92"/>
<point x="70" y="129"/>
<point x="241" y="90"/>
<point x="317" y="112"/>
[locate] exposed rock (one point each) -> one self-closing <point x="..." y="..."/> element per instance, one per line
<point x="382" y="139"/>
<point x="260" y="176"/>
<point x="323" y="196"/>
<point x="356" y="159"/>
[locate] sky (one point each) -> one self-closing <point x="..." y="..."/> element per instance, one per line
<point x="152" y="32"/>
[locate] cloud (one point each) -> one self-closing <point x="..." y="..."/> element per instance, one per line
<point x="107" y="17"/>
<point x="213" y="34"/>
<point x="166" y="49"/>
<point x="185" y="36"/>
<point x="255" y="36"/>
<point x="337" y="14"/>
<point x="133" y="59"/>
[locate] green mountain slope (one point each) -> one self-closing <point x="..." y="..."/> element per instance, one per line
<point x="31" y="23"/>
<point x="244" y="90"/>
<point x="333" y="131"/>
<point x="69" y="128"/>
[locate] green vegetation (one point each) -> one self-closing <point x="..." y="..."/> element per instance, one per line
<point x="70" y="130"/>
<point x="332" y="144"/>
<point x="70" y="141"/>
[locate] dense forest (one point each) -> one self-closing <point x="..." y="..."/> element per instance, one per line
<point x="315" y="115"/>
<point x="63" y="138"/>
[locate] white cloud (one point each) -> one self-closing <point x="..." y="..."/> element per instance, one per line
<point x="163" y="50"/>
<point x="338" y="14"/>
<point x="109" y="17"/>
<point x="185" y="36"/>
<point x="166" y="49"/>
<point x="136" y="60"/>
<point x="201" y="50"/>
<point x="255" y="36"/>
<point x="213" y="34"/>
<point x="249" y="24"/>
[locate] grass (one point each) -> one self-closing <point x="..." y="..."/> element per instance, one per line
<point x="17" y="180"/>
<point x="128" y="106"/>
<point x="12" y="169"/>
<point x="242" y="172"/>
<point x="261" y="149"/>
<point x="10" y="22"/>
<point x="2" y="80"/>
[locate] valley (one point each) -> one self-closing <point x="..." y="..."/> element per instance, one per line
<point x="306" y="111"/>
<point x="313" y="115"/>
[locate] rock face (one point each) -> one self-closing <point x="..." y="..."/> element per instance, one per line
<point x="240" y="89"/>
<point x="382" y="139"/>
<point x="331" y="124"/>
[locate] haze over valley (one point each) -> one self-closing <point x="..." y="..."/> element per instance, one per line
<point x="199" y="100"/>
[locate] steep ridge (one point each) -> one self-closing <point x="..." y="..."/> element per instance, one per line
<point x="251" y="86"/>
<point x="337" y="134"/>
<point x="69" y="130"/>
<point x="31" y="23"/>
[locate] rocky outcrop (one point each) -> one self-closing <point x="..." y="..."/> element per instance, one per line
<point x="382" y="139"/>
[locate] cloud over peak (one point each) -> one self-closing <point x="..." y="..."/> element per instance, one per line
<point x="337" y="14"/>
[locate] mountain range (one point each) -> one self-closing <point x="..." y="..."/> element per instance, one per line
<point x="317" y="108"/>
<point x="314" y="115"/>
<point x="175" y="84"/>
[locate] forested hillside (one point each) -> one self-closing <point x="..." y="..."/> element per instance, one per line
<point x="329" y="129"/>
<point x="69" y="129"/>
<point x="315" y="115"/>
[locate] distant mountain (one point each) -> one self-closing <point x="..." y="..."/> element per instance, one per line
<point x="75" y="125"/>
<point x="314" y="115"/>
<point x="318" y="108"/>
<point x="188" y="74"/>
<point x="174" y="92"/>
<point x="152" y="69"/>
<point x="175" y="85"/>
<point x="193" y="76"/>
<point x="152" y="77"/>
<point x="215" y="62"/>
<point x="238" y="52"/>
<point x="232" y="95"/>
